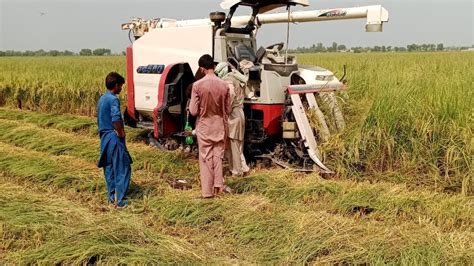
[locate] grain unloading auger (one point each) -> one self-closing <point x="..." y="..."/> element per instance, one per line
<point x="162" y="62"/>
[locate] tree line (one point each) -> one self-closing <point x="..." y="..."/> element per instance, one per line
<point x="41" y="52"/>
<point x="335" y="47"/>
<point x="315" y="48"/>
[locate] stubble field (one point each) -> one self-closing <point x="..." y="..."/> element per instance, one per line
<point x="403" y="193"/>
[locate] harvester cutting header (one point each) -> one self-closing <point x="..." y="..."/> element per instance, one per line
<point x="162" y="63"/>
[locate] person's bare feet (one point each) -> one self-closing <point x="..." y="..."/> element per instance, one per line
<point x="218" y="191"/>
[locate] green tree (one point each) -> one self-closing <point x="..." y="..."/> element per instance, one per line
<point x="98" y="52"/>
<point x="413" y="47"/>
<point x="359" y="50"/>
<point x="320" y="48"/>
<point x="101" y="51"/>
<point x="40" y="52"/>
<point x="341" y="47"/>
<point x="85" y="52"/>
<point x="68" y="53"/>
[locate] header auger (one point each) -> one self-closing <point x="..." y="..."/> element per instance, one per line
<point x="281" y="93"/>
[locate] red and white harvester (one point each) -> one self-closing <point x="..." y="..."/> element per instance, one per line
<point x="162" y="63"/>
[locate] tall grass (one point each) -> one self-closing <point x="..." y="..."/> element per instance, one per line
<point x="59" y="84"/>
<point x="408" y="114"/>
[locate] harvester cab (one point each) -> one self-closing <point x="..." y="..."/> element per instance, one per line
<point x="284" y="122"/>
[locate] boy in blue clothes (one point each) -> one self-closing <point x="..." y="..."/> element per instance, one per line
<point x="114" y="156"/>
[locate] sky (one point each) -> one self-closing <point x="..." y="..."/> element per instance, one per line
<point x="77" y="24"/>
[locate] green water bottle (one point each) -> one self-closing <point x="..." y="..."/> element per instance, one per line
<point x="189" y="139"/>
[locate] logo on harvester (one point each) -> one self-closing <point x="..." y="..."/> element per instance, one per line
<point x="151" y="69"/>
<point x="334" y="13"/>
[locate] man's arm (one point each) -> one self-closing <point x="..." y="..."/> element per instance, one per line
<point x="119" y="129"/>
<point x="228" y="102"/>
<point x="194" y="104"/>
<point x="231" y="92"/>
<point x="117" y="118"/>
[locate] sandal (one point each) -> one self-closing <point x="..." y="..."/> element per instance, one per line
<point x="206" y="198"/>
<point x="121" y="207"/>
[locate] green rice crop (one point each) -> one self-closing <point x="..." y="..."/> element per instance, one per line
<point x="409" y="116"/>
<point x="62" y="84"/>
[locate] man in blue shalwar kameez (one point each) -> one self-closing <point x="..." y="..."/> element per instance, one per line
<point x="114" y="156"/>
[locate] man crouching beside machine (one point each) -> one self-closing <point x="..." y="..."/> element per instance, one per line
<point x="235" y="144"/>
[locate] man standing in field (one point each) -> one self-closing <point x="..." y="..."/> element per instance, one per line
<point x="210" y="103"/>
<point x="235" y="150"/>
<point x="114" y="156"/>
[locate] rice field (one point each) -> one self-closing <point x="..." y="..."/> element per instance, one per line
<point x="58" y="84"/>
<point x="403" y="193"/>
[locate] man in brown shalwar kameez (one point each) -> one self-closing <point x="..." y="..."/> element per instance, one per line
<point x="235" y="150"/>
<point x="210" y="103"/>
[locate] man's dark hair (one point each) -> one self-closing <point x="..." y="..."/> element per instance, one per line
<point x="113" y="79"/>
<point x="206" y="62"/>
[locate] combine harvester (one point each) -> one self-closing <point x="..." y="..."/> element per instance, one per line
<point x="162" y="62"/>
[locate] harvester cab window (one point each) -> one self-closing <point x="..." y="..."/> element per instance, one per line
<point x="238" y="50"/>
<point x="242" y="52"/>
<point x="231" y="45"/>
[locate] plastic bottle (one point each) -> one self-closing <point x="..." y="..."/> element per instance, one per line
<point x="189" y="139"/>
